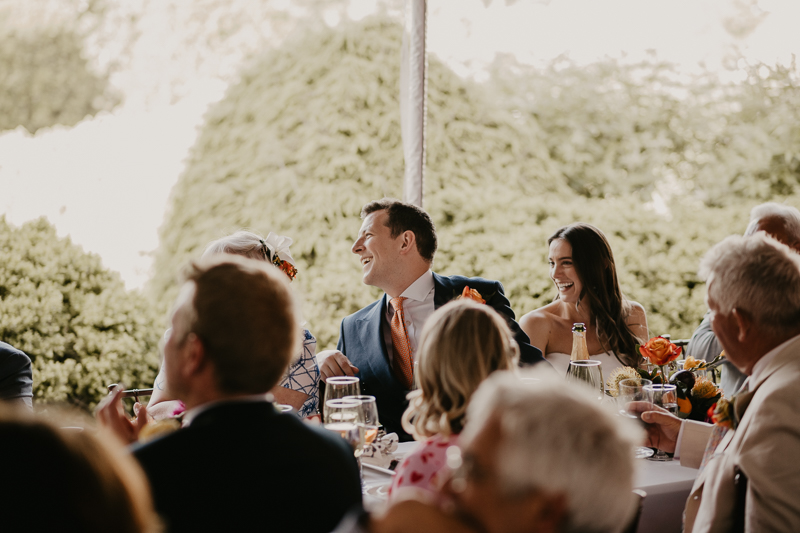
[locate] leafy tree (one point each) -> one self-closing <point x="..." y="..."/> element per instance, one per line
<point x="73" y="317"/>
<point x="45" y="80"/>
<point x="311" y="133"/>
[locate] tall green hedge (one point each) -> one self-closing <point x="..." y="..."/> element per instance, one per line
<point x="72" y="316"/>
<point x="311" y="132"/>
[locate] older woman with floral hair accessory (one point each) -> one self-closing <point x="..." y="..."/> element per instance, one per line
<point x="300" y="385"/>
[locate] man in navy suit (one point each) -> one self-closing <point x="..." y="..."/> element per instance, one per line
<point x="396" y="245"/>
<point x="237" y="464"/>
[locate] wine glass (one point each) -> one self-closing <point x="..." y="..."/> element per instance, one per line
<point x="369" y="415"/>
<point x="343" y="416"/>
<point x="665" y="396"/>
<point x="587" y="371"/>
<point x="632" y="390"/>
<point x="339" y="387"/>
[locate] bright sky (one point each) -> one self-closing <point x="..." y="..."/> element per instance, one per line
<point x="106" y="182"/>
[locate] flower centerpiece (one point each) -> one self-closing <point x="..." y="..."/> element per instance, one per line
<point x="697" y="395"/>
<point x="660" y="352"/>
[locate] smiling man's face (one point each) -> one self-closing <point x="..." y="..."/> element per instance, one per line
<point x="378" y="251"/>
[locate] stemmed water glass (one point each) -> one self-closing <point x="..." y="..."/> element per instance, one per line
<point x="588" y="371"/>
<point x="339" y="387"/>
<point x="369" y="417"/>
<point x="632" y="390"/>
<point x="665" y="396"/>
<point x="344" y="417"/>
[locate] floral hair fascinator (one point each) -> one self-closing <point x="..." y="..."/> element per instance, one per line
<point x="276" y="251"/>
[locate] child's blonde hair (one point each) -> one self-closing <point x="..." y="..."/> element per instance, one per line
<point x="462" y="343"/>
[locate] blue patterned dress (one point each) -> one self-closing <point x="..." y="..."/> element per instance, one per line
<point x="303" y="375"/>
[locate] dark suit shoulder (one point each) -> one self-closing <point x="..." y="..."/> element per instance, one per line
<point x="242" y="456"/>
<point x="364" y="311"/>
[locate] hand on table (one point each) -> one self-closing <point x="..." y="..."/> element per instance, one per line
<point x="112" y="417"/>
<point x="661" y="426"/>
<point x="335" y="363"/>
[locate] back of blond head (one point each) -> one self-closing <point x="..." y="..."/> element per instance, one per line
<point x="462" y="343"/>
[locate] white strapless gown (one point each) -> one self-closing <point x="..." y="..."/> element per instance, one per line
<point x="560" y="362"/>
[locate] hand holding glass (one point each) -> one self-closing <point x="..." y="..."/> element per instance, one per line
<point x="665" y="396"/>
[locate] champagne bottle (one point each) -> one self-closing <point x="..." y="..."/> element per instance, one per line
<point x="579" y="350"/>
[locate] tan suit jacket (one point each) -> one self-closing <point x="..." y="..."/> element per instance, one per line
<point x="765" y="447"/>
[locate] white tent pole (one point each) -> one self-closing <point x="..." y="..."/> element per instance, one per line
<point x="413" y="94"/>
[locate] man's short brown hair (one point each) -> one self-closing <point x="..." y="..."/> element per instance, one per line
<point x="407" y="217"/>
<point x="245" y="317"/>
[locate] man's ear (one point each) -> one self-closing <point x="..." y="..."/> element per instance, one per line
<point x="744" y="323"/>
<point x="195" y="355"/>
<point x="408" y="242"/>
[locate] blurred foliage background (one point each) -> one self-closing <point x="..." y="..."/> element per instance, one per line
<point x="75" y="319"/>
<point x="665" y="163"/>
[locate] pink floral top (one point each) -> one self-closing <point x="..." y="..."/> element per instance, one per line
<point x="421" y="467"/>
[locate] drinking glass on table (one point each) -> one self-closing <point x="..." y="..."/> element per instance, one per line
<point x="369" y="415"/>
<point x="632" y="390"/>
<point x="343" y="416"/>
<point x="665" y="396"/>
<point x="339" y="387"/>
<point x="588" y="371"/>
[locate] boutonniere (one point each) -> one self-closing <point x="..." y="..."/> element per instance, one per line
<point x="471" y="294"/>
<point x="723" y="413"/>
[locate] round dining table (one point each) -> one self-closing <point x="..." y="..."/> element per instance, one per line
<point x="667" y="485"/>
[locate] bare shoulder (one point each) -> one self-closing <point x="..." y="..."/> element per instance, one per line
<point x="637" y="321"/>
<point x="538" y="324"/>
<point x="539" y="317"/>
<point x="637" y="313"/>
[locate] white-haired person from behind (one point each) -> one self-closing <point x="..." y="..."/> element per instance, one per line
<point x="779" y="221"/>
<point x="541" y="457"/>
<point x="299" y="386"/>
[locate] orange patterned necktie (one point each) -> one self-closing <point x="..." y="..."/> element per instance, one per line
<point x="404" y="363"/>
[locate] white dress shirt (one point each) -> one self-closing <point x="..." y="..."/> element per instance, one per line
<point x="417" y="308"/>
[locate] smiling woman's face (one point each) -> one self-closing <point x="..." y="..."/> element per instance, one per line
<point x="562" y="271"/>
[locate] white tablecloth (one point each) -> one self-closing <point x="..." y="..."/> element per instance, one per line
<point x="667" y="486"/>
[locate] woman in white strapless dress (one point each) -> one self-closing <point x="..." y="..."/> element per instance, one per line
<point x="583" y="270"/>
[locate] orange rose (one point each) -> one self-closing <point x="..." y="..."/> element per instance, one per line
<point x="659" y="351"/>
<point x="472" y="294"/>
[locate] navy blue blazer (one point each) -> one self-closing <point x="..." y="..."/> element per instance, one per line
<point x="242" y="466"/>
<point x="361" y="340"/>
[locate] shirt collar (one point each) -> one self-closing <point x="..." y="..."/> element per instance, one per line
<point x="762" y="363"/>
<point x="420" y="289"/>
<point x="194" y="412"/>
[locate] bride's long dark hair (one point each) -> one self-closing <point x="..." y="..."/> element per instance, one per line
<point x="593" y="261"/>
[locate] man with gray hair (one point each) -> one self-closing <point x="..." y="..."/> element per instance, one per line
<point x="750" y="478"/>
<point x="545" y="458"/>
<point x="782" y="222"/>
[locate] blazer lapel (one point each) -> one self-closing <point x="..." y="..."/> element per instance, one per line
<point x="371" y="336"/>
